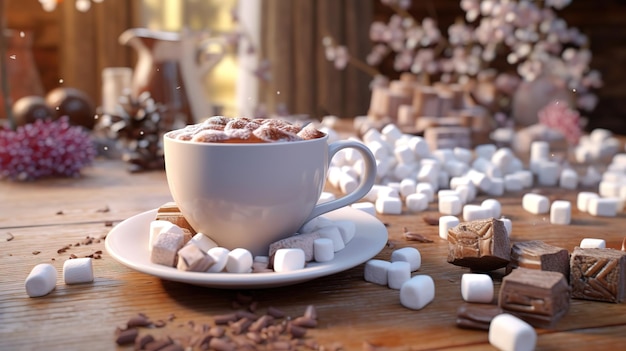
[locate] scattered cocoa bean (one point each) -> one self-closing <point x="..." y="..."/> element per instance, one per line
<point x="140" y="343"/>
<point x="305" y="322"/>
<point x="411" y="236"/>
<point x="224" y="319"/>
<point x="275" y="312"/>
<point x="126" y="336"/>
<point x="138" y="321"/>
<point x="310" y="312"/>
<point x="431" y="219"/>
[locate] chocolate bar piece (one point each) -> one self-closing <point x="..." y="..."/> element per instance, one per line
<point x="536" y="254"/>
<point x="476" y="315"/>
<point x="598" y="274"/>
<point x="540" y="298"/>
<point x="482" y="245"/>
<point x="170" y="212"/>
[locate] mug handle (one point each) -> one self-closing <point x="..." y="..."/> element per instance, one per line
<point x="367" y="181"/>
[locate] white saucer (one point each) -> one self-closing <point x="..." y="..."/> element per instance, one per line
<point x="127" y="243"/>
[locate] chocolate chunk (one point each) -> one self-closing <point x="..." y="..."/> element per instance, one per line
<point x="536" y="254"/>
<point x="482" y="245"/>
<point x="170" y="212"/>
<point x="598" y="274"/>
<point x="540" y="298"/>
<point x="476" y="315"/>
<point x="126" y="336"/>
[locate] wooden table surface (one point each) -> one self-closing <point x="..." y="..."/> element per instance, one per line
<point x="39" y="218"/>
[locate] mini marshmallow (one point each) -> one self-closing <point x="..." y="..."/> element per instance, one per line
<point x="496" y="188"/>
<point x="548" y="173"/>
<point x="503" y="158"/>
<point x="445" y="223"/>
<point x="288" y="260"/>
<point x="347" y="229"/>
<point x="398" y="273"/>
<point x="485" y="150"/>
<point x="462" y="154"/>
<point x="582" y="200"/>
<point x="405" y="171"/>
<point x="240" y="261"/>
<point x="156" y="227"/>
<point x="326" y="196"/>
<point x="493" y="205"/>
<point x="608" y="189"/>
<point x="315" y="224"/>
<point x="332" y="233"/>
<point x="389" y="205"/>
<point x="416" y="202"/>
<point x="376" y="271"/>
<point x="407" y="187"/>
<point x="202" y="241"/>
<point x="561" y="212"/>
<point x="526" y="177"/>
<point x="366" y="207"/>
<point x="429" y="173"/>
<point x="568" y="179"/>
<point x="78" y="270"/>
<point x="466" y="193"/>
<point x="220" y="258"/>
<point x="443" y="179"/>
<point x="323" y="250"/>
<point x="512" y="183"/>
<point x="450" y="205"/>
<point x="476" y="212"/>
<point x="404" y="154"/>
<point x="455" y="168"/>
<point x="408" y="254"/>
<point x="592" y="243"/>
<point x="426" y="189"/>
<point x="391" y="133"/>
<point x="193" y="259"/>
<point x="417" y="292"/>
<point x="535" y="203"/>
<point x="509" y="333"/>
<point x="419" y="146"/>
<point x="603" y="207"/>
<point x="477" y="288"/>
<point x="347" y="183"/>
<point x="166" y="247"/>
<point x="41" y="280"/>
<point x="479" y="179"/>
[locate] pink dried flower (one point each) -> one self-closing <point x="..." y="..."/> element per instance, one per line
<point x="44" y="149"/>
<point x="559" y="116"/>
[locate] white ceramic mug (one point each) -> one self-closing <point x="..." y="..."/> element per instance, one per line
<point x="252" y="194"/>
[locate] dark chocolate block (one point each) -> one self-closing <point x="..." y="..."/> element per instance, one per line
<point x="536" y="254"/>
<point x="540" y="298"/>
<point x="482" y="245"/>
<point x="598" y="274"/>
<point x="476" y="315"/>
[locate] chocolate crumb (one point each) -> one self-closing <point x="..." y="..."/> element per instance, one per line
<point x="141" y="343"/>
<point x="11" y="237"/>
<point x="431" y="219"/>
<point x="72" y="256"/>
<point x="138" y="321"/>
<point x="126" y="336"/>
<point x="108" y="223"/>
<point x="59" y="212"/>
<point x="104" y="209"/>
<point x="275" y="312"/>
<point x="411" y="236"/>
<point x="36" y="252"/>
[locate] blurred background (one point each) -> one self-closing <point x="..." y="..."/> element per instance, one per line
<point x="283" y="40"/>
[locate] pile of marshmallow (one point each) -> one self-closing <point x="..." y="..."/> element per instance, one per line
<point x="42" y="279"/>
<point x="409" y="174"/>
<point x="317" y="241"/>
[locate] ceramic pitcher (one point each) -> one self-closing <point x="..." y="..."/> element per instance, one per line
<point x="172" y="67"/>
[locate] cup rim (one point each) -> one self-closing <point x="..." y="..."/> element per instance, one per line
<point x="167" y="136"/>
